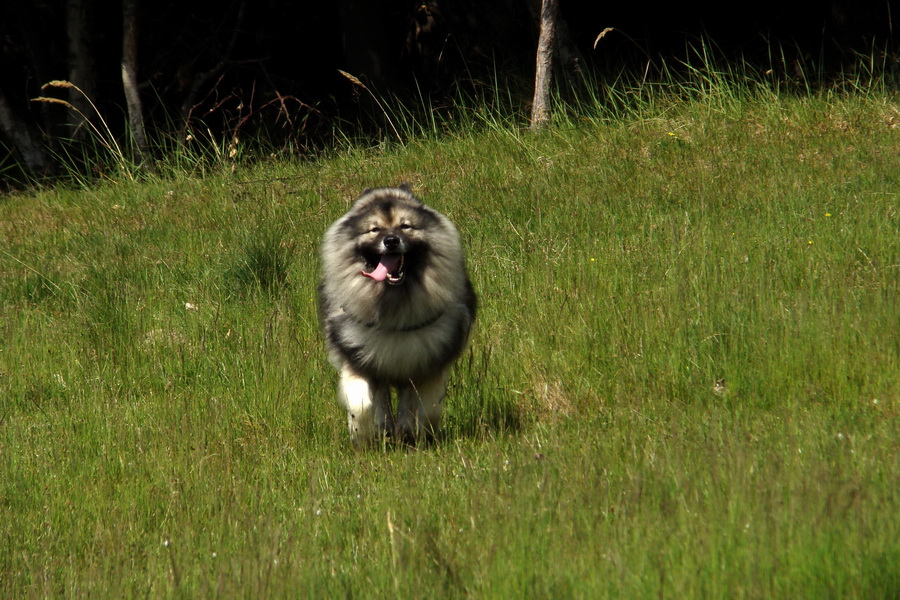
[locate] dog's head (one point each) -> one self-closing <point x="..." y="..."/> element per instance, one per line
<point x="394" y="233"/>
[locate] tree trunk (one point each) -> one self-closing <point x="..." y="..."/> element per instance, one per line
<point x="540" y="108"/>
<point x="567" y="57"/>
<point x="33" y="154"/>
<point x="367" y="51"/>
<point x="570" y="58"/>
<point x="129" y="75"/>
<point x="81" y="62"/>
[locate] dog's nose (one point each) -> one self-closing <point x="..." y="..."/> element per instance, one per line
<point x="391" y="242"/>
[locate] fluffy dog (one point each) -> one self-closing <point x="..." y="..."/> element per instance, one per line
<point x="396" y="306"/>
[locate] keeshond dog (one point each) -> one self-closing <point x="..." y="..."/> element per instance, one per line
<point x="395" y="306"/>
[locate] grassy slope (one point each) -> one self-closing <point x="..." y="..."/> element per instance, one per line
<point x="148" y="448"/>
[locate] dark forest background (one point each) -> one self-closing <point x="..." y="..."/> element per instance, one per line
<point x="270" y="69"/>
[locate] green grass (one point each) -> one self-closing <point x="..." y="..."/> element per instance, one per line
<point x="167" y="417"/>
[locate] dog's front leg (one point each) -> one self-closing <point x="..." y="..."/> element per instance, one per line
<point x="368" y="405"/>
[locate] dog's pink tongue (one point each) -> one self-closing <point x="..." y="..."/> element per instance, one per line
<point x="387" y="264"/>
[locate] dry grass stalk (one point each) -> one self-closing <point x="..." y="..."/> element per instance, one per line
<point x="106" y="137"/>
<point x="355" y="81"/>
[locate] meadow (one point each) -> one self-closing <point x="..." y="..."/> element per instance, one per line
<point x="684" y="381"/>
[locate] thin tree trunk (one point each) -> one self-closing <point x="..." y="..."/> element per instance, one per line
<point x="129" y="74"/>
<point x="201" y="79"/>
<point x="540" y="108"/>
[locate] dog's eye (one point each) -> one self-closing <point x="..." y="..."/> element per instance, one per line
<point x="405" y="226"/>
<point x="375" y="230"/>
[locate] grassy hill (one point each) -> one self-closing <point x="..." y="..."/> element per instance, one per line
<point x="684" y="381"/>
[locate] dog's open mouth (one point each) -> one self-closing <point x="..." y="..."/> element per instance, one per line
<point x="389" y="268"/>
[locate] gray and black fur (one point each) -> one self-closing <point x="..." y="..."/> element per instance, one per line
<point x="396" y="306"/>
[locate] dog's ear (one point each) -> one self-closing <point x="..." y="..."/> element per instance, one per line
<point x="405" y="187"/>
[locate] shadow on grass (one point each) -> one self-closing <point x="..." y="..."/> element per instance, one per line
<point x="479" y="407"/>
<point x="264" y="261"/>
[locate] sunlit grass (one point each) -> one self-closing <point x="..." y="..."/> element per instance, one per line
<point x="683" y="381"/>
